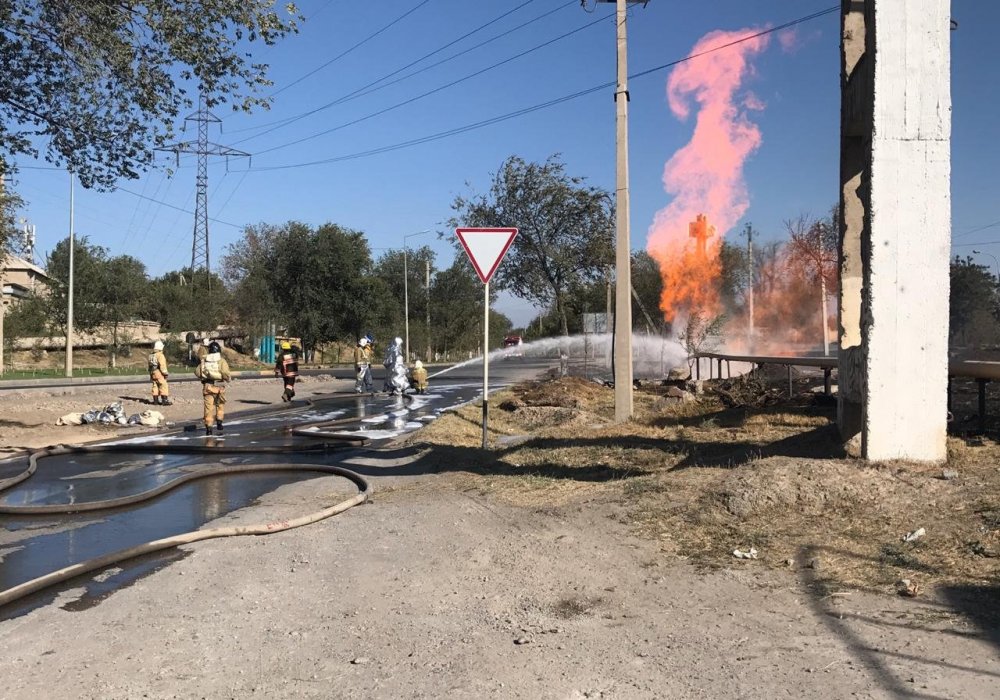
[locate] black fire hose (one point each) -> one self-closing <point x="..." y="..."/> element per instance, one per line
<point x="315" y="430"/>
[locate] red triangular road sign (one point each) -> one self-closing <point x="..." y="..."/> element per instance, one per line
<point x="486" y="248"/>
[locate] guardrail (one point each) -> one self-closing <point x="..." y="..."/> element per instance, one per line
<point x="983" y="371"/>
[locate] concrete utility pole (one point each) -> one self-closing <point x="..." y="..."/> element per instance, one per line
<point x="895" y="175"/>
<point x="623" y="248"/>
<point x="69" y="310"/>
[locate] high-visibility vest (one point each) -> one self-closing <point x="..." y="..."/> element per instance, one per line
<point x="289" y="364"/>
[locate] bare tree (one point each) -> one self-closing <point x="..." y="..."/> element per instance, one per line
<point x="812" y="252"/>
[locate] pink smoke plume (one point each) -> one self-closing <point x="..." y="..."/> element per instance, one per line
<point x="789" y="40"/>
<point x="706" y="175"/>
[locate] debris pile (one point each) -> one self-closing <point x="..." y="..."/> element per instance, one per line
<point x="750" y="390"/>
<point x="112" y="414"/>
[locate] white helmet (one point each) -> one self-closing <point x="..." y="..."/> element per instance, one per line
<point x="363" y="342"/>
<point x="158" y="345"/>
<point x="399" y="341"/>
<point x="418" y="364"/>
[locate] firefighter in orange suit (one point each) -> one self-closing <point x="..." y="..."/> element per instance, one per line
<point x="213" y="371"/>
<point x="287" y="367"/>
<point x="418" y="377"/>
<point x="158" y="374"/>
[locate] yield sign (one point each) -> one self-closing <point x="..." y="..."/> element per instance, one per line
<point x="486" y="248"/>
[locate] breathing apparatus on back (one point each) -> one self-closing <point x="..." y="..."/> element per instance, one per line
<point x="213" y="362"/>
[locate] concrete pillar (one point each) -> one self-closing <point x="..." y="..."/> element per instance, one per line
<point x="895" y="228"/>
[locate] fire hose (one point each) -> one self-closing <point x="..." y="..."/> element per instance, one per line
<point x="315" y="430"/>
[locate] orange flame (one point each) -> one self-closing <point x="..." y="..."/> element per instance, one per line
<point x="705" y="177"/>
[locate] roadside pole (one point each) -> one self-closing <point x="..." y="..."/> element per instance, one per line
<point x="486" y="248"/>
<point x="486" y="363"/>
<point x="69" y="310"/>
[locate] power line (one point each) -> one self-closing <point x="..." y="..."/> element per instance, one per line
<point x="155" y="214"/>
<point x="231" y="194"/>
<point x="172" y="206"/>
<point x="435" y="90"/>
<point x="544" y="105"/>
<point x="977" y="230"/>
<point x="370" y="87"/>
<point x="969" y="245"/>
<point x="463" y="52"/>
<point x="352" y="48"/>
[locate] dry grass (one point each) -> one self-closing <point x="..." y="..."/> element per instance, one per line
<point x="704" y="480"/>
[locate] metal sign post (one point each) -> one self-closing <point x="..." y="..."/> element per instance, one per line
<point x="486" y="362"/>
<point x="486" y="248"/>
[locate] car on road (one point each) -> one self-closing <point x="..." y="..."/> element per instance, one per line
<point x="512" y="346"/>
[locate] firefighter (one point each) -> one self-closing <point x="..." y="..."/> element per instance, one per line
<point x="287" y="367"/>
<point x="363" y="367"/>
<point x="158" y="374"/>
<point x="418" y="377"/>
<point x="393" y="353"/>
<point x="213" y="371"/>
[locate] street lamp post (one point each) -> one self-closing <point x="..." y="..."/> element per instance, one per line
<point x="69" y="309"/>
<point x="995" y="261"/>
<point x="406" y="292"/>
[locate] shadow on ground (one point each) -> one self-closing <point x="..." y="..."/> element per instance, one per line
<point x="977" y="605"/>
<point x="417" y="459"/>
<point x="6" y="423"/>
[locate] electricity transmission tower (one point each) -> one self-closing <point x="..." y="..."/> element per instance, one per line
<point x="203" y="148"/>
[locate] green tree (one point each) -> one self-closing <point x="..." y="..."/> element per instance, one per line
<point x="182" y="301"/>
<point x="318" y="283"/>
<point x="123" y="291"/>
<point x="88" y="285"/>
<point x="247" y="272"/>
<point x="10" y="202"/>
<point x="389" y="269"/>
<point x="457" y="310"/>
<point x="734" y="282"/>
<point x="565" y="230"/>
<point x="974" y="304"/>
<point x="25" y="318"/>
<point x="647" y="285"/>
<point x="103" y="81"/>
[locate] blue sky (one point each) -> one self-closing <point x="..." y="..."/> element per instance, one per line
<point x="410" y="189"/>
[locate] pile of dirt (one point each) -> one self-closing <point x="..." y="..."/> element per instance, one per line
<point x="539" y="417"/>
<point x="565" y="392"/>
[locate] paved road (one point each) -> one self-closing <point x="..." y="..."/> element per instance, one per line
<point x="34" y="545"/>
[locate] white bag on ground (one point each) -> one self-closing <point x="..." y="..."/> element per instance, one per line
<point x="71" y="419"/>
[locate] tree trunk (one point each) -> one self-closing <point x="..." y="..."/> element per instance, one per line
<point x="114" y="345"/>
<point x="561" y="310"/>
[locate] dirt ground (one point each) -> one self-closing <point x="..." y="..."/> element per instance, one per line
<point x="572" y="561"/>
